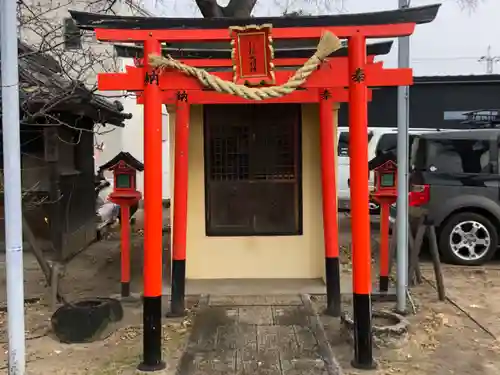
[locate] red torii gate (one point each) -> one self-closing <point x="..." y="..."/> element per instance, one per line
<point x="326" y="85"/>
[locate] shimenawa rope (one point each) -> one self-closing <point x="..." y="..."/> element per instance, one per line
<point x="328" y="44"/>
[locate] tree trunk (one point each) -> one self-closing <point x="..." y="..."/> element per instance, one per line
<point x="235" y="8"/>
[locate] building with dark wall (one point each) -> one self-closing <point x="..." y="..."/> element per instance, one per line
<point x="435" y="102"/>
<point x="58" y="117"/>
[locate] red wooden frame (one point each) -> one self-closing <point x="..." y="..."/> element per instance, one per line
<point x="289" y="62"/>
<point x="338" y="95"/>
<point x="369" y="31"/>
<point x="391" y="168"/>
<point x="385" y="196"/>
<point x="358" y="72"/>
<point x="197" y="96"/>
<point x="330" y="75"/>
<point x="124" y="197"/>
<point x="122" y="168"/>
<point x="252" y="55"/>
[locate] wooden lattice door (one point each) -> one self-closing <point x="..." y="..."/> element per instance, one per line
<point x="252" y="170"/>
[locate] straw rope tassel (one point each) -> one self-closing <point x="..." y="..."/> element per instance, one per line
<point x="328" y="44"/>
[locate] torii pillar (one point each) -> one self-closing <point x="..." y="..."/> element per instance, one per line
<point x="153" y="215"/>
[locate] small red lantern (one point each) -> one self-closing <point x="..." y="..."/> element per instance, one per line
<point x="385" y="193"/>
<point x="125" y="194"/>
<point x="124" y="167"/>
<point x="386" y="182"/>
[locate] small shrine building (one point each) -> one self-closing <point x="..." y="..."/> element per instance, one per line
<point x="255" y="171"/>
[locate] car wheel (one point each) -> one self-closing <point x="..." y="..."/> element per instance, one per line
<point x="374" y="208"/>
<point x="468" y="239"/>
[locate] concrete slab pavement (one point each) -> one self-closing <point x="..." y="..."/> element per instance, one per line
<point x="271" y="335"/>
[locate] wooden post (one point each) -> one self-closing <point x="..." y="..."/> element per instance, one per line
<point x="414" y="272"/>
<point x="358" y="154"/>
<point x="51" y="147"/>
<point x="425" y="226"/>
<point x="330" y="222"/>
<point x="125" y="250"/>
<point x="153" y="214"/>
<point x="384" y="248"/>
<point x="180" y="207"/>
<point x="436" y="261"/>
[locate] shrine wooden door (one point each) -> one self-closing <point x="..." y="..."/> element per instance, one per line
<point x="253" y="184"/>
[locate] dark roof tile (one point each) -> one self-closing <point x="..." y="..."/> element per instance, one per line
<point x="41" y="85"/>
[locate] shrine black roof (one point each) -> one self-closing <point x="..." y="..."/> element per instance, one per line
<point x="42" y="85"/>
<point x="127" y="158"/>
<point x="189" y="50"/>
<point x="419" y="15"/>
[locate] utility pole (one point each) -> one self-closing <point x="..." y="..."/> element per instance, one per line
<point x="12" y="187"/>
<point x="402" y="158"/>
<point x="489" y="60"/>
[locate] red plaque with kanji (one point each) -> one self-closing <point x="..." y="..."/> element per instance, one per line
<point x="252" y="55"/>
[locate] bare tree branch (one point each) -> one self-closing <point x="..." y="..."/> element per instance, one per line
<point x="53" y="75"/>
<point x="41" y="27"/>
<point x="243" y="8"/>
<point x="57" y="67"/>
<point x="239" y="8"/>
<point x="210" y="8"/>
<point x="470" y="5"/>
<point x="235" y="8"/>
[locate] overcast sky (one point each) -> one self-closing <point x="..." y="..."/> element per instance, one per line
<point x="451" y="45"/>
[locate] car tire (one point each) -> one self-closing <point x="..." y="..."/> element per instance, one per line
<point x="374" y="208"/>
<point x="451" y="234"/>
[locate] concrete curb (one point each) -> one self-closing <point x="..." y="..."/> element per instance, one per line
<point x="398" y="328"/>
<point x="332" y="366"/>
<point x="392" y="335"/>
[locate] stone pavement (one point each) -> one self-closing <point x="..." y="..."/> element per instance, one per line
<point x="257" y="335"/>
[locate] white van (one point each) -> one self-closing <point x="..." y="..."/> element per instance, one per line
<point x="379" y="139"/>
